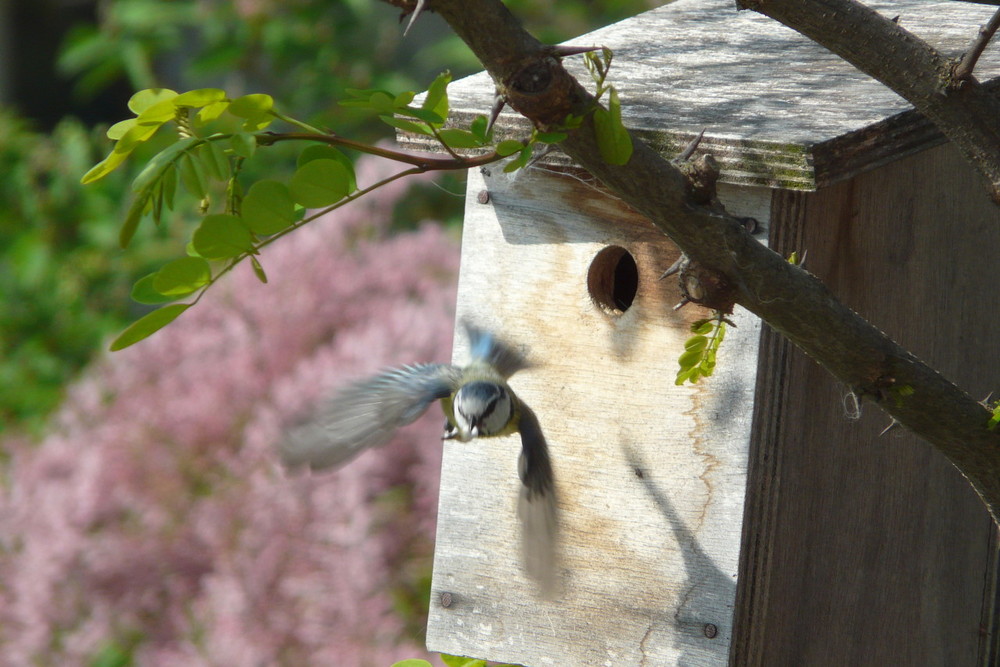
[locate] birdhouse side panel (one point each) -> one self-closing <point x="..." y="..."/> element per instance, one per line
<point x="857" y="533"/>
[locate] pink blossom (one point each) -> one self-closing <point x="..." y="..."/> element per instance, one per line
<point x="156" y="512"/>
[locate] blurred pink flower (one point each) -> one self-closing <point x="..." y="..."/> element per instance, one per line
<point x="156" y="514"/>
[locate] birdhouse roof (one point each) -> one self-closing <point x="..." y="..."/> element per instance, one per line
<point x="778" y="110"/>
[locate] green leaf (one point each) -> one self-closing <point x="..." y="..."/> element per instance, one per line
<point x="613" y="139"/>
<point x="461" y="661"/>
<point x="258" y="270"/>
<point x="118" y="130"/>
<point x="689" y="375"/>
<point x="690" y="358"/>
<point x="137" y="134"/>
<point x="210" y="112"/>
<point x="405" y="125"/>
<point x="257" y="123"/>
<point x="550" y="137"/>
<point x="319" y="183"/>
<point x="364" y="93"/>
<point x="382" y="102"/>
<point x="696" y="343"/>
<point x="268" y="208"/>
<point x="215" y="160"/>
<point x="192" y="174"/>
<point x="437" y="95"/>
<point x="148" y="325"/>
<point x="144" y="99"/>
<point x="421" y="114"/>
<point x="244" y="144"/>
<point x="412" y="662"/>
<point x="702" y="326"/>
<point x="520" y="161"/>
<point x="200" y="97"/>
<point x="143" y="292"/>
<point x="250" y="106"/>
<point x="156" y="168"/>
<point x="403" y="99"/>
<point x="323" y="152"/>
<point x="478" y="128"/>
<point x="168" y="185"/>
<point x="158" y="113"/>
<point x="182" y="276"/>
<point x="132" y="218"/>
<point x="456" y="138"/>
<point x="156" y="198"/>
<point x="104" y="167"/>
<point x="221" y="236"/>
<point x="509" y="147"/>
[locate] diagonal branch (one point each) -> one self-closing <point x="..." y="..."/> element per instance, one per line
<point x="969" y="59"/>
<point x="789" y="299"/>
<point x="961" y="108"/>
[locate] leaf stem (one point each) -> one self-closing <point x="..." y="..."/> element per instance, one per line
<point x="321" y="212"/>
<point x="425" y="163"/>
<point x="294" y="121"/>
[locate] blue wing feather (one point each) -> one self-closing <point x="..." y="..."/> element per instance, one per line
<point x="484" y="347"/>
<point x="367" y="414"/>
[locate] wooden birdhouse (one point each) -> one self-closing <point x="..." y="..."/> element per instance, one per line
<point x="759" y="516"/>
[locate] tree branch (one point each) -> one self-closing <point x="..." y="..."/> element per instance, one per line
<point x="792" y="301"/>
<point x="969" y="59"/>
<point x="960" y="107"/>
<point x="422" y="162"/>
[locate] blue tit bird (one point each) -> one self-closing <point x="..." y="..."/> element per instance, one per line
<point x="477" y="403"/>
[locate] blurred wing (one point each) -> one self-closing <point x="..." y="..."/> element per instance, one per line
<point x="484" y="346"/>
<point x="366" y="414"/>
<point x="536" y="506"/>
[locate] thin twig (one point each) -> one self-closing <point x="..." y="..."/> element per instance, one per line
<point x="357" y="194"/>
<point x="691" y="147"/>
<point x="448" y="149"/>
<point x="424" y="162"/>
<point x="963" y="70"/>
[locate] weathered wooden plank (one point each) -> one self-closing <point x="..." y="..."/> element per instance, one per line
<point x="650" y="475"/>
<point x="778" y="110"/>
<point x="861" y="549"/>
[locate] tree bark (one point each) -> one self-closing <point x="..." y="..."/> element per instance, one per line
<point x="791" y="300"/>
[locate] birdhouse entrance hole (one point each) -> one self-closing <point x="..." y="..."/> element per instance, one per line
<point x="613" y="280"/>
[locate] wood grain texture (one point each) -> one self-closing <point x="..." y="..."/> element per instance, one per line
<point x="861" y="549"/>
<point x="650" y="476"/>
<point x="778" y="110"/>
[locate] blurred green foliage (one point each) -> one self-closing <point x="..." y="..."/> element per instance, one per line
<point x="64" y="283"/>
<point x="302" y="52"/>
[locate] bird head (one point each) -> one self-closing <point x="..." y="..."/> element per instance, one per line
<point x="481" y="408"/>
